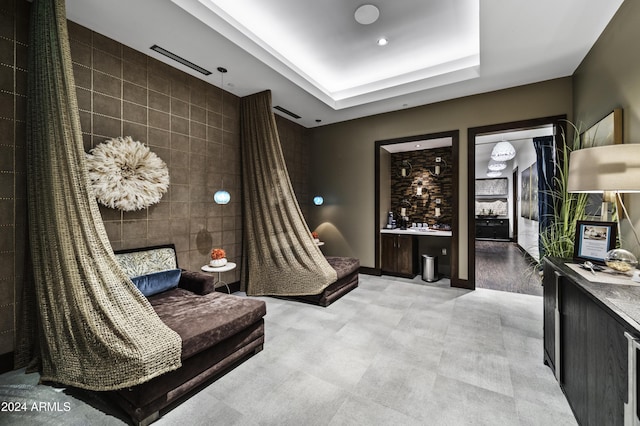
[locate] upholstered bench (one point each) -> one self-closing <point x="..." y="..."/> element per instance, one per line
<point x="347" y="271"/>
<point x="218" y="330"/>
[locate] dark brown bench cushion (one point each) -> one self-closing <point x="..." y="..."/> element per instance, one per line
<point x="343" y="265"/>
<point x="347" y="270"/>
<point x="202" y="321"/>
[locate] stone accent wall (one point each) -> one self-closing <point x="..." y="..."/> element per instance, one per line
<point x="404" y="189"/>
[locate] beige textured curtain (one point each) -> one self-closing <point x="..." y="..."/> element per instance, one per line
<point x="280" y="257"/>
<point x="94" y="329"/>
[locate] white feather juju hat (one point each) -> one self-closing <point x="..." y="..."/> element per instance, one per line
<point x="126" y="175"/>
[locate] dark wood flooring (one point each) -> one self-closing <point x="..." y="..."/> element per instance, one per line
<point x="502" y="266"/>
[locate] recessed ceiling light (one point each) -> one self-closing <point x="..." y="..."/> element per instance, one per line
<point x="418" y="145"/>
<point x="382" y="41"/>
<point x="367" y="14"/>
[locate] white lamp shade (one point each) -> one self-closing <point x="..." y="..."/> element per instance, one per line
<point x="221" y="197"/>
<point x="503" y="151"/>
<point x="605" y="168"/>
<point x="494" y="173"/>
<point x="496" y="165"/>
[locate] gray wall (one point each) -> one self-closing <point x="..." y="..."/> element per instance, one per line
<point x="609" y="77"/>
<point x="343" y="158"/>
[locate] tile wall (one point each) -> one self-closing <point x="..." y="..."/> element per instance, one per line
<point x="14" y="18"/>
<point x="295" y="146"/>
<point x="122" y="92"/>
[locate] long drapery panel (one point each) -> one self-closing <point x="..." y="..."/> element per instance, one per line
<point x="546" y="164"/>
<point x="95" y="330"/>
<point x="280" y="257"/>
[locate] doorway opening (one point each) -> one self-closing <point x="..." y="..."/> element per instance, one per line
<point x="416" y="182"/>
<point x="503" y="203"/>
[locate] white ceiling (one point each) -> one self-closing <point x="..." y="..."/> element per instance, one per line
<point x="418" y="145"/>
<point x="322" y="65"/>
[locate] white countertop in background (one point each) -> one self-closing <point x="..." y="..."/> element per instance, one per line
<point x="420" y="232"/>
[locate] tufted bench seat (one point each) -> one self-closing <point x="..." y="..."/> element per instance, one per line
<point x="218" y="331"/>
<point x="347" y="270"/>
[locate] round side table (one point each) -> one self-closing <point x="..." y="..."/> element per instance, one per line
<point x="230" y="266"/>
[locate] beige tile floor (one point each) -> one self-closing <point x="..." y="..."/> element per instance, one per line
<point x="391" y="352"/>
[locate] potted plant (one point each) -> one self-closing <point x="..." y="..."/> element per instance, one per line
<point x="218" y="258"/>
<point x="557" y="240"/>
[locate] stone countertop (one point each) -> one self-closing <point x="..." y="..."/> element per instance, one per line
<point x="622" y="300"/>
<point x="420" y="232"/>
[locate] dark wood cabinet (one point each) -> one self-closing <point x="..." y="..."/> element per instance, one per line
<point x="607" y="367"/>
<point x="574" y="349"/>
<point x="588" y="349"/>
<point x="399" y="255"/>
<point x="550" y="325"/>
<point x="492" y="229"/>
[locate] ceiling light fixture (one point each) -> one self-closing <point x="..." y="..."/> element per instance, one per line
<point x="496" y="165"/>
<point x="382" y="41"/>
<point x="366" y="14"/>
<point x="503" y="151"/>
<point x="494" y="173"/>
<point x="222" y="196"/>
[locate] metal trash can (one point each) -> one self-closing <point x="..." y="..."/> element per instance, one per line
<point x="430" y="268"/>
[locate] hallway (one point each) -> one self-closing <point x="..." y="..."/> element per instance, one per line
<point x="502" y="266"/>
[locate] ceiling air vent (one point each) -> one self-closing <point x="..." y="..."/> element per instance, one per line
<point x="286" y="111"/>
<point x="179" y="59"/>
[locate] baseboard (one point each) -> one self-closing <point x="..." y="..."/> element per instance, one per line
<point x="233" y="287"/>
<point x="369" y="271"/>
<point x="6" y="362"/>
<point x="458" y="283"/>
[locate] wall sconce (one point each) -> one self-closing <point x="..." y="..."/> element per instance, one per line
<point x="439" y="168"/>
<point x="318" y="200"/>
<point x="419" y="189"/>
<point x="405" y="169"/>
<point x="437" y="212"/>
<point x="404" y="204"/>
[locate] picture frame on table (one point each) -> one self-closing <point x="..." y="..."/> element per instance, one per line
<point x="593" y="240"/>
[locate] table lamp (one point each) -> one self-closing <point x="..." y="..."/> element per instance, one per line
<point x="610" y="168"/>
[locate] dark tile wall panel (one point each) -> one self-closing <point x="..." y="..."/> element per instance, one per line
<point x="295" y="147"/>
<point x="135" y="95"/>
<point x="14" y="16"/>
